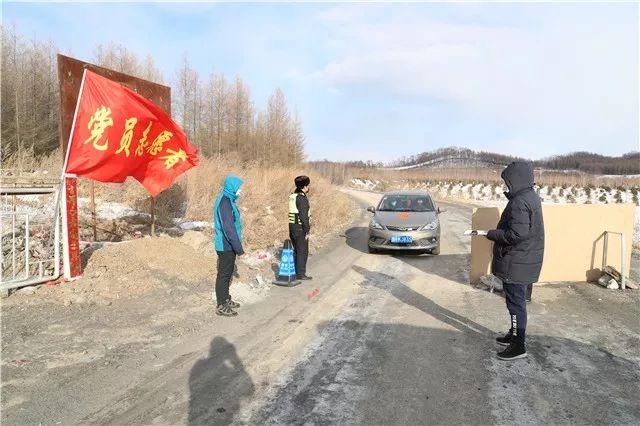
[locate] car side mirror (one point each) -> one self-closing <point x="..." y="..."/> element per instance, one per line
<point x="371" y="209"/>
<point x="441" y="210"/>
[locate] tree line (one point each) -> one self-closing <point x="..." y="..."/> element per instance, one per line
<point x="340" y="173"/>
<point x="595" y="163"/>
<point x="216" y="113"/>
<point x="586" y="162"/>
<point x="463" y="154"/>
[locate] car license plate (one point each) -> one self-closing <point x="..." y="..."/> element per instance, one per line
<point x="402" y="239"/>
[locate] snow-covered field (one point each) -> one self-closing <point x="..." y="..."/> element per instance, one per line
<point x="491" y="195"/>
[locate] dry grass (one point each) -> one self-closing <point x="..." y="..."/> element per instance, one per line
<point x="26" y="162"/>
<point x="263" y="202"/>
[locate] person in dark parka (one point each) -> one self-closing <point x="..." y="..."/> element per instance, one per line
<point x="518" y="251"/>
<point x="300" y="224"/>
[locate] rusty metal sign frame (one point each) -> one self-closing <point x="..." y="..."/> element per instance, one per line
<point x="70" y="72"/>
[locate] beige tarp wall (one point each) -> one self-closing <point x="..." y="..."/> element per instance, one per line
<point x="574" y="240"/>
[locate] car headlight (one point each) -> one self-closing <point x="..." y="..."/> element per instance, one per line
<point x="430" y="226"/>
<point x="375" y="225"/>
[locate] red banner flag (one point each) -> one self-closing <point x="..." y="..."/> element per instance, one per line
<point x="118" y="133"/>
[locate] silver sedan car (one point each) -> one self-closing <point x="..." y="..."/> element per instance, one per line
<point x="405" y="220"/>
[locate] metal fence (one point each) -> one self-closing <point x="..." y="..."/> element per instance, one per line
<point x="30" y="232"/>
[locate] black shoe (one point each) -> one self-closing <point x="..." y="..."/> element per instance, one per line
<point x="513" y="352"/>
<point x="225" y="310"/>
<point x="506" y="340"/>
<point x="232" y="304"/>
<point x="304" y="277"/>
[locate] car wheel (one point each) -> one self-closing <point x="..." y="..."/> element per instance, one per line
<point x="371" y="250"/>
<point x="435" y="251"/>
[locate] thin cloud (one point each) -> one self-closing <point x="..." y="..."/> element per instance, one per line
<point x="570" y="73"/>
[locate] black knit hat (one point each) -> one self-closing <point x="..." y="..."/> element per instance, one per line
<point x="302" y="181"/>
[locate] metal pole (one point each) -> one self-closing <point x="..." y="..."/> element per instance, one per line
<point x="73" y="124"/>
<point x="605" y="249"/>
<point x="93" y="211"/>
<point x="56" y="241"/>
<point x="153" y="217"/>
<point x="623" y="284"/>
<point x="23" y="283"/>
<point x="13" y="245"/>
<point x="1" y="251"/>
<point x="26" y="246"/>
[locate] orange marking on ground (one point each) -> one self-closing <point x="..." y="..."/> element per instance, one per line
<point x="313" y="294"/>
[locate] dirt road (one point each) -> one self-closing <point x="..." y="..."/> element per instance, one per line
<point x="373" y="339"/>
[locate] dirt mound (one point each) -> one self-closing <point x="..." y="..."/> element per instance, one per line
<point x="162" y="265"/>
<point x="198" y="241"/>
<point x="134" y="268"/>
<point x="155" y="257"/>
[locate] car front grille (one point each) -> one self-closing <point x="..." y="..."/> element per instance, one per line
<point x="403" y="228"/>
<point x="427" y="241"/>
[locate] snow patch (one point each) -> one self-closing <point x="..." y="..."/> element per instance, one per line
<point x="366" y="184"/>
<point x="109" y="210"/>
<point x="191" y="225"/>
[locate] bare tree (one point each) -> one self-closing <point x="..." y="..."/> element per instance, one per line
<point x="240" y="116"/>
<point x="28" y="94"/>
<point x="218" y="108"/>
<point x="296" y="139"/>
<point x="277" y="123"/>
<point x="186" y="100"/>
<point x="150" y="71"/>
<point x="117" y="57"/>
<point x="260" y="136"/>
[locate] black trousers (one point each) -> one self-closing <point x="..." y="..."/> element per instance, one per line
<point x="516" y="296"/>
<point x="300" y="248"/>
<point x="226" y="265"/>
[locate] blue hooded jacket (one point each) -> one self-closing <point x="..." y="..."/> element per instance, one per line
<point x="226" y="217"/>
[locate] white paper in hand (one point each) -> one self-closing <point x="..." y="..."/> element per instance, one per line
<point x="475" y="232"/>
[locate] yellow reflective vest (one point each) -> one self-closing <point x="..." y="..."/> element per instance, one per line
<point x="294" y="214"/>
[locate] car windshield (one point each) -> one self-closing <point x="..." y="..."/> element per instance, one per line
<point x="406" y="203"/>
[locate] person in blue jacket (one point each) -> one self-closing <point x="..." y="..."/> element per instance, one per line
<point x="228" y="242"/>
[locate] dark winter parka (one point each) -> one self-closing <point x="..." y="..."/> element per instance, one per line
<point x="518" y="247"/>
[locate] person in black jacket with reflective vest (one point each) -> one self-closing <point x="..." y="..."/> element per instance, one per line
<point x="518" y="251"/>
<point x="300" y="224"/>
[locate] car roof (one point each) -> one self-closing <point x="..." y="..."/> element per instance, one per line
<point x="423" y="193"/>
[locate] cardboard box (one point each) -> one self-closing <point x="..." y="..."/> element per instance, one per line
<point x="574" y="240"/>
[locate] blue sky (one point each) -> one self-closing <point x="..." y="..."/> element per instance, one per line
<point x="376" y="81"/>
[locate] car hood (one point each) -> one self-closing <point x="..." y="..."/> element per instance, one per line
<point x="404" y="219"/>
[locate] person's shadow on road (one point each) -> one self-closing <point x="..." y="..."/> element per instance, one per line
<point x="217" y="384"/>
